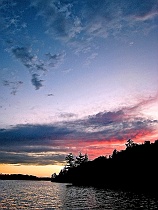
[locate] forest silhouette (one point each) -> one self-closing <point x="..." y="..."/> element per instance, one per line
<point x="134" y="168"/>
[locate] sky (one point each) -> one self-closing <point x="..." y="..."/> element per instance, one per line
<point x="75" y="76"/>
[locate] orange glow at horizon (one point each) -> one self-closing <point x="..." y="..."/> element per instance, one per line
<point x="36" y="170"/>
<point x="94" y="149"/>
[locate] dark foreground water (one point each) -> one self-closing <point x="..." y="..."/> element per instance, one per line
<point x="47" y="195"/>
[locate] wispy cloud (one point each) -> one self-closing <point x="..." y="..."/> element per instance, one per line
<point x="90" y="58"/>
<point x="81" y="21"/>
<point x="14" y="86"/>
<point x="59" y="19"/>
<point x="54" y="60"/>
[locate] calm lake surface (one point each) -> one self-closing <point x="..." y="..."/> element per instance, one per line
<point x="47" y="195"/>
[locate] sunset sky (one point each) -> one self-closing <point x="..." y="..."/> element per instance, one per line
<point x="75" y="76"/>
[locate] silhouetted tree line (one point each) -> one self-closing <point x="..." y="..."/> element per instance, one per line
<point x="22" y="177"/>
<point x="135" y="168"/>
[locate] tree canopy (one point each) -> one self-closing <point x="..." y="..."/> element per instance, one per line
<point x="127" y="169"/>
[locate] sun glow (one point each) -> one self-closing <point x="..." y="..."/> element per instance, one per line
<point x="36" y="170"/>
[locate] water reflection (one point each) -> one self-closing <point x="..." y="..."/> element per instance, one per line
<point x="94" y="198"/>
<point x="53" y="196"/>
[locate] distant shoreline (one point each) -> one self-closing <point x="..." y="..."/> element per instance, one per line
<point x="23" y="177"/>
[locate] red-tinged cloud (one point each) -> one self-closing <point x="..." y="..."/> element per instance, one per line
<point x="93" y="148"/>
<point x="96" y="135"/>
<point x="143" y="102"/>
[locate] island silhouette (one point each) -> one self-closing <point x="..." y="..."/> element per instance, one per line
<point x="135" y="168"/>
<point x="22" y="177"/>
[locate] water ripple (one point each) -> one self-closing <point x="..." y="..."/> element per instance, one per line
<point x="39" y="195"/>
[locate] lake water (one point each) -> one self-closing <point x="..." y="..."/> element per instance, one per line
<point x="47" y="196"/>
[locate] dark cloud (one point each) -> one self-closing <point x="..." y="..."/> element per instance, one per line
<point x="28" y="59"/>
<point x="54" y="148"/>
<point x="36" y="81"/>
<point x="36" y="141"/>
<point x="36" y="134"/>
<point x="106" y="118"/>
<point x="50" y="94"/>
<point x="67" y="115"/>
<point x="36" y="66"/>
<point x="2" y="129"/>
<point x="33" y="63"/>
<point x="36" y="159"/>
